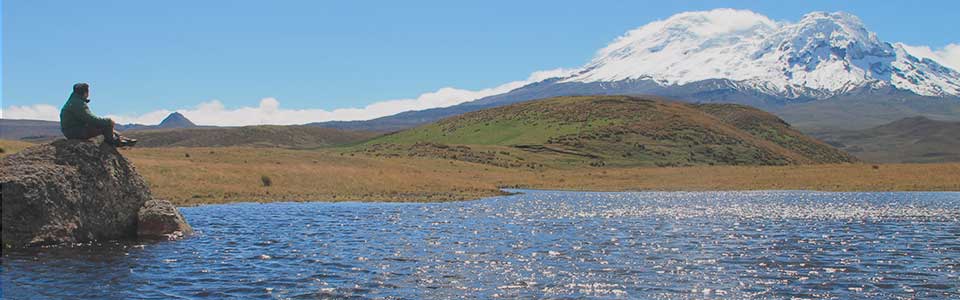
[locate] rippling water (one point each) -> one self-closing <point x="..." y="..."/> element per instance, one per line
<point x="539" y="244"/>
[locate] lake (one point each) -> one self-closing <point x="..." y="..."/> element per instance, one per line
<point x="537" y="244"/>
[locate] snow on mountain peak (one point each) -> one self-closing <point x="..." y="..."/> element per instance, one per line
<point x="712" y="23"/>
<point x="821" y="55"/>
<point x="839" y="30"/>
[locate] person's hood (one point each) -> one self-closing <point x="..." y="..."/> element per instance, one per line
<point x="75" y="96"/>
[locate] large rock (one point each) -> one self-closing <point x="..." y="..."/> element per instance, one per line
<point x="159" y="219"/>
<point x="69" y="191"/>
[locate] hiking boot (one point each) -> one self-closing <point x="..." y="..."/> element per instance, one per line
<point x="127" y="142"/>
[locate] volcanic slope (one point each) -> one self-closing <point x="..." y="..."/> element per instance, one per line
<point x="611" y="131"/>
<point x="910" y="140"/>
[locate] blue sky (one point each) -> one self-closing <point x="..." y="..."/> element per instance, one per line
<point x="145" y="56"/>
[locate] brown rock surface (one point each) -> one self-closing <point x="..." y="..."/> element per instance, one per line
<point x="69" y="191"/>
<point x="159" y="219"/>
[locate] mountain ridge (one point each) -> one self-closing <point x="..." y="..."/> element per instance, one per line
<point x="876" y="106"/>
<point x="909" y="140"/>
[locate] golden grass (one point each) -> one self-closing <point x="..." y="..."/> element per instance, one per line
<point x="11" y="147"/>
<point x="217" y="175"/>
<point x="220" y="175"/>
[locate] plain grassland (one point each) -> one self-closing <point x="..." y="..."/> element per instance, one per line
<point x="219" y="175"/>
<point x="193" y="176"/>
<point x="8" y="147"/>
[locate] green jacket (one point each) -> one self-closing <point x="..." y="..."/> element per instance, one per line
<point x="76" y="114"/>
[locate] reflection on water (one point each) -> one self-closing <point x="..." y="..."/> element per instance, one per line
<point x="653" y="245"/>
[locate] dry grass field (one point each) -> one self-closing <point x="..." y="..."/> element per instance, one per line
<point x="8" y="147"/>
<point x="193" y="176"/>
<point x="190" y="176"/>
<point x="218" y="175"/>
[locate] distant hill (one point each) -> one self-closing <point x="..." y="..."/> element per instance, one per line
<point x="41" y="131"/>
<point x="867" y="108"/>
<point x="909" y="140"/>
<point x="404" y="120"/>
<point x="29" y="130"/>
<point x="857" y="109"/>
<point x="294" y="137"/>
<point x="614" y="131"/>
<point x="173" y="120"/>
<point x="176" y="130"/>
<point x="176" y="120"/>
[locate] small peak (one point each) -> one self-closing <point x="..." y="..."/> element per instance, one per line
<point x="176" y="120"/>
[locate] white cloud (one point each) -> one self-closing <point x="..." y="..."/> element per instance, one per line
<point x="720" y="21"/>
<point x="703" y="23"/>
<point x="31" y="112"/>
<point x="269" y="111"/>
<point x="948" y="56"/>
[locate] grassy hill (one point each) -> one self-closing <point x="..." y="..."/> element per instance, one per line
<point x="291" y="137"/>
<point x="909" y="140"/>
<point x="610" y="131"/>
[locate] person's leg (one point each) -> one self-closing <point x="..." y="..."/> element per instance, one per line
<point x="84" y="133"/>
<point x="110" y="136"/>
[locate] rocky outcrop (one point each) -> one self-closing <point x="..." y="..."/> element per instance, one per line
<point x="69" y="191"/>
<point x="160" y="220"/>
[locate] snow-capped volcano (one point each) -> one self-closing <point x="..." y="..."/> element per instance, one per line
<point x="822" y="55"/>
<point x="824" y="71"/>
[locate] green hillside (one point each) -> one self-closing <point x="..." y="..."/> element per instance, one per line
<point x="611" y="131"/>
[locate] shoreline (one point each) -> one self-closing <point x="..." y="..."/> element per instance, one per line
<point x="550" y="190"/>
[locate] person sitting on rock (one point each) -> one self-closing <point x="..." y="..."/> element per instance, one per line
<point x="77" y="122"/>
